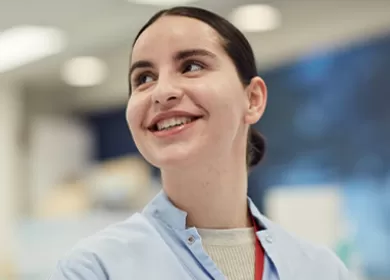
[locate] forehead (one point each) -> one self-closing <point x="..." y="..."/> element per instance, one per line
<point x="173" y="33"/>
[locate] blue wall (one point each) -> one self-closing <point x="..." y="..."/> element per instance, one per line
<point x="328" y="116"/>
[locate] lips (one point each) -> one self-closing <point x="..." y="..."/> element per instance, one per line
<point x="166" y="121"/>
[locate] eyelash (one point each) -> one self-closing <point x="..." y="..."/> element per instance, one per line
<point x="138" y="79"/>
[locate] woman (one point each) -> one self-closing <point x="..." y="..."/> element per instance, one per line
<point x="194" y="94"/>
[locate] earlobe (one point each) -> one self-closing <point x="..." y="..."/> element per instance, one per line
<point x="257" y="98"/>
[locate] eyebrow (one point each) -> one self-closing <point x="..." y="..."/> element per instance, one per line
<point x="179" y="56"/>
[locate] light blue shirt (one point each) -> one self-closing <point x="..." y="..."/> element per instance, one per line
<point x="156" y="244"/>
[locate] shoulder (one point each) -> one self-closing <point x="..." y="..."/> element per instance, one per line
<point x="307" y="256"/>
<point x="95" y="256"/>
<point x="128" y="233"/>
<point x="322" y="259"/>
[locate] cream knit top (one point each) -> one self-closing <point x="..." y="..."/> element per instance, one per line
<point x="232" y="250"/>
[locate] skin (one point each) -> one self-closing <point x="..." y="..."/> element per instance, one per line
<point x="203" y="167"/>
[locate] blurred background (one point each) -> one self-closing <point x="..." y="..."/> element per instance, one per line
<point x="69" y="167"/>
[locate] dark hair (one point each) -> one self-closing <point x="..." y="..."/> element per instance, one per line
<point x="238" y="49"/>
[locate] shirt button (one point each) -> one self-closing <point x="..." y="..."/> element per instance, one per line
<point x="191" y="240"/>
<point x="268" y="238"/>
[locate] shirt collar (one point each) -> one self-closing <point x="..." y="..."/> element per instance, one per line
<point x="163" y="209"/>
<point x="262" y="222"/>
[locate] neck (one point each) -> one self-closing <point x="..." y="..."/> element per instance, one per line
<point x="213" y="197"/>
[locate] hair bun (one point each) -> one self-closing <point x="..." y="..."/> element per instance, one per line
<point x="256" y="147"/>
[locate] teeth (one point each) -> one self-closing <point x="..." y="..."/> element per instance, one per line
<point x="168" y="123"/>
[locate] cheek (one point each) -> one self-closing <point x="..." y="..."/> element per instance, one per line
<point x="211" y="94"/>
<point x="134" y="115"/>
<point x="229" y="97"/>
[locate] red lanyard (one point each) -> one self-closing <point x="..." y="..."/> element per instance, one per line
<point x="259" y="254"/>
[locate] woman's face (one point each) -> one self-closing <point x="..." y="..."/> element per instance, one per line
<point x="187" y="102"/>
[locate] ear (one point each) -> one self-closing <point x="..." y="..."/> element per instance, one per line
<point x="257" y="100"/>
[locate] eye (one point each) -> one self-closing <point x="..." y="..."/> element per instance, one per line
<point x="192" y="66"/>
<point x="143" y="79"/>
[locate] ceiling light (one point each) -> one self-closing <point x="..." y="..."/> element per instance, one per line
<point x="84" y="71"/>
<point x="163" y="2"/>
<point x="256" y="17"/>
<point x="25" y="44"/>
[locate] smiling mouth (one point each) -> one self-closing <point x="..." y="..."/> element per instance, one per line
<point x="171" y="123"/>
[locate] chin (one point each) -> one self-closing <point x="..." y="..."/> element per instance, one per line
<point x="174" y="158"/>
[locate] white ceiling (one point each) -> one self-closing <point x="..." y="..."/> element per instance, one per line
<point x="105" y="28"/>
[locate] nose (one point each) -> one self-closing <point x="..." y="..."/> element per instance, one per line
<point x="167" y="94"/>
